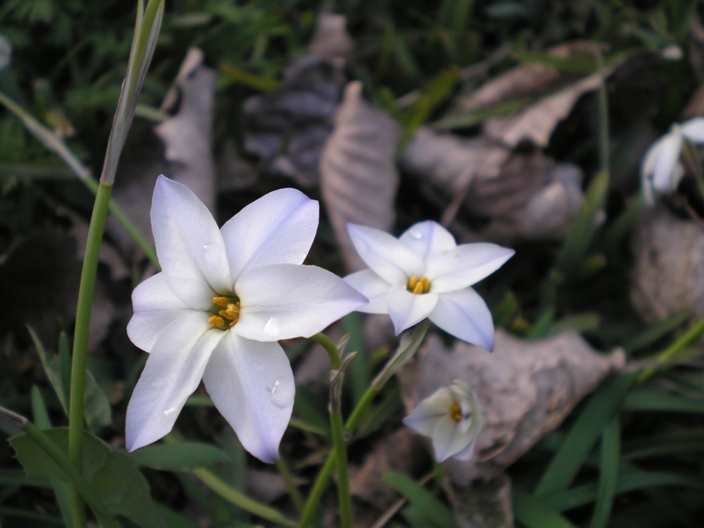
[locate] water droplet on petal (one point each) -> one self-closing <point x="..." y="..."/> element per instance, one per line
<point x="416" y="234"/>
<point x="272" y="327"/>
<point x="169" y="411"/>
<point x="275" y="386"/>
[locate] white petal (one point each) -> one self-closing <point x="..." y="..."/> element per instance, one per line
<point x="373" y="288"/>
<point x="155" y="306"/>
<point x="189" y="245"/>
<point x="468" y="452"/>
<point x="251" y="384"/>
<point x="387" y="256"/>
<point x="465" y="315"/>
<point x="448" y="440"/>
<point x="428" y="237"/>
<point x="279" y="228"/>
<point x="466" y="265"/>
<point x="407" y="309"/>
<point x="469" y="401"/>
<point x="282" y="301"/>
<point x="665" y="160"/>
<point x="693" y="130"/>
<point x="425" y="416"/>
<point x="173" y="371"/>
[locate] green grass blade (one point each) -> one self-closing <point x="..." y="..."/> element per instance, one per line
<point x="436" y="512"/>
<point x="608" y="473"/>
<point x="534" y="513"/>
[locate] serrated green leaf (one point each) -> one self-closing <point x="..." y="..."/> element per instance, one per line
<point x="178" y="457"/>
<point x="116" y="481"/>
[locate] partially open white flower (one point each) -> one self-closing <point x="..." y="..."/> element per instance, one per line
<point x="661" y="170"/>
<point x="452" y="418"/>
<point x="215" y="312"/>
<point x="424" y="273"/>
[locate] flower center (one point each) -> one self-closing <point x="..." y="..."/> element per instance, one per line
<point x="456" y="412"/>
<point x="418" y="286"/>
<point x="228" y="316"/>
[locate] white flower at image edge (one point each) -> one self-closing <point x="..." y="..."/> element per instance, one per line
<point x="424" y="273"/>
<point x="452" y="418"/>
<point x="661" y="170"/>
<point x="216" y="311"/>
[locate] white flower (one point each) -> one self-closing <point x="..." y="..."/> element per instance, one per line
<point x="216" y="310"/>
<point x="424" y="273"/>
<point x="661" y="170"/>
<point x="452" y="418"/>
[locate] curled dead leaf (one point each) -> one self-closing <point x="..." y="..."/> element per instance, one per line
<point x="526" y="389"/>
<point x="358" y="171"/>
<point x="519" y="196"/>
<point x="669" y="267"/>
<point x="286" y="128"/>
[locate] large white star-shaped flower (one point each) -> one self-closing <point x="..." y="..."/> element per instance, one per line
<point x="661" y="170"/>
<point x="452" y="418"/>
<point x="215" y="312"/>
<point x="424" y="273"/>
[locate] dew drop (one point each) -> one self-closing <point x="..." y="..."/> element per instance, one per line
<point x="169" y="411"/>
<point x="272" y="327"/>
<point x="276" y="386"/>
<point x="416" y="234"/>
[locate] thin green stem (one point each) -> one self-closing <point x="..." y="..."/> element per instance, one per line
<point x="293" y="490"/>
<point x="80" y="343"/>
<point x="330" y="347"/>
<point x="361" y="408"/>
<point x="343" y="483"/>
<point x="683" y="341"/>
<point x="239" y="499"/>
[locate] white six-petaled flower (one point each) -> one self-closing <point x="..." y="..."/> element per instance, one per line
<point x="661" y="170"/>
<point x="424" y="273"/>
<point x="216" y="311"/>
<point x="452" y="418"/>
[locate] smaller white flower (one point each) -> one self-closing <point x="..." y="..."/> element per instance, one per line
<point x="661" y="170"/>
<point x="424" y="273"/>
<point x="452" y="418"/>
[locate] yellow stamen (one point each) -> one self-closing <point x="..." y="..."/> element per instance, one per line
<point x="216" y="321"/>
<point x="221" y="301"/>
<point x="418" y="286"/>
<point x="456" y="412"/>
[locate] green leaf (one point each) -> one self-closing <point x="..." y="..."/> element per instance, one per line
<point x="584" y="226"/>
<point x="436" y="513"/>
<point x="678" y="441"/>
<point x="98" y="413"/>
<point x="657" y="400"/>
<point x="584" y="433"/>
<point x="608" y="473"/>
<point x="657" y="330"/>
<point x="116" y="481"/>
<point x="178" y="457"/>
<point x="534" y="513"/>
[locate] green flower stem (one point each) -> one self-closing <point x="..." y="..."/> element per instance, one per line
<point x="80" y="343"/>
<point x="343" y="483"/>
<point x="330" y="347"/>
<point x="70" y="472"/>
<point x="239" y="499"/>
<point x="683" y="341"/>
<point x="287" y="477"/>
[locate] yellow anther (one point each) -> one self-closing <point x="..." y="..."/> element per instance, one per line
<point x="418" y="286"/>
<point x="221" y="301"/>
<point x="216" y="321"/>
<point x="456" y="412"/>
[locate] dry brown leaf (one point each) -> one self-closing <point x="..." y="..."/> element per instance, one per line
<point x="286" y="128"/>
<point x="358" y="170"/>
<point x="537" y="122"/>
<point x="187" y="136"/>
<point x="524" y="80"/>
<point x="401" y="451"/>
<point x="521" y="196"/>
<point x="483" y="504"/>
<point x="331" y="40"/>
<point x="669" y="269"/>
<point x="526" y="388"/>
